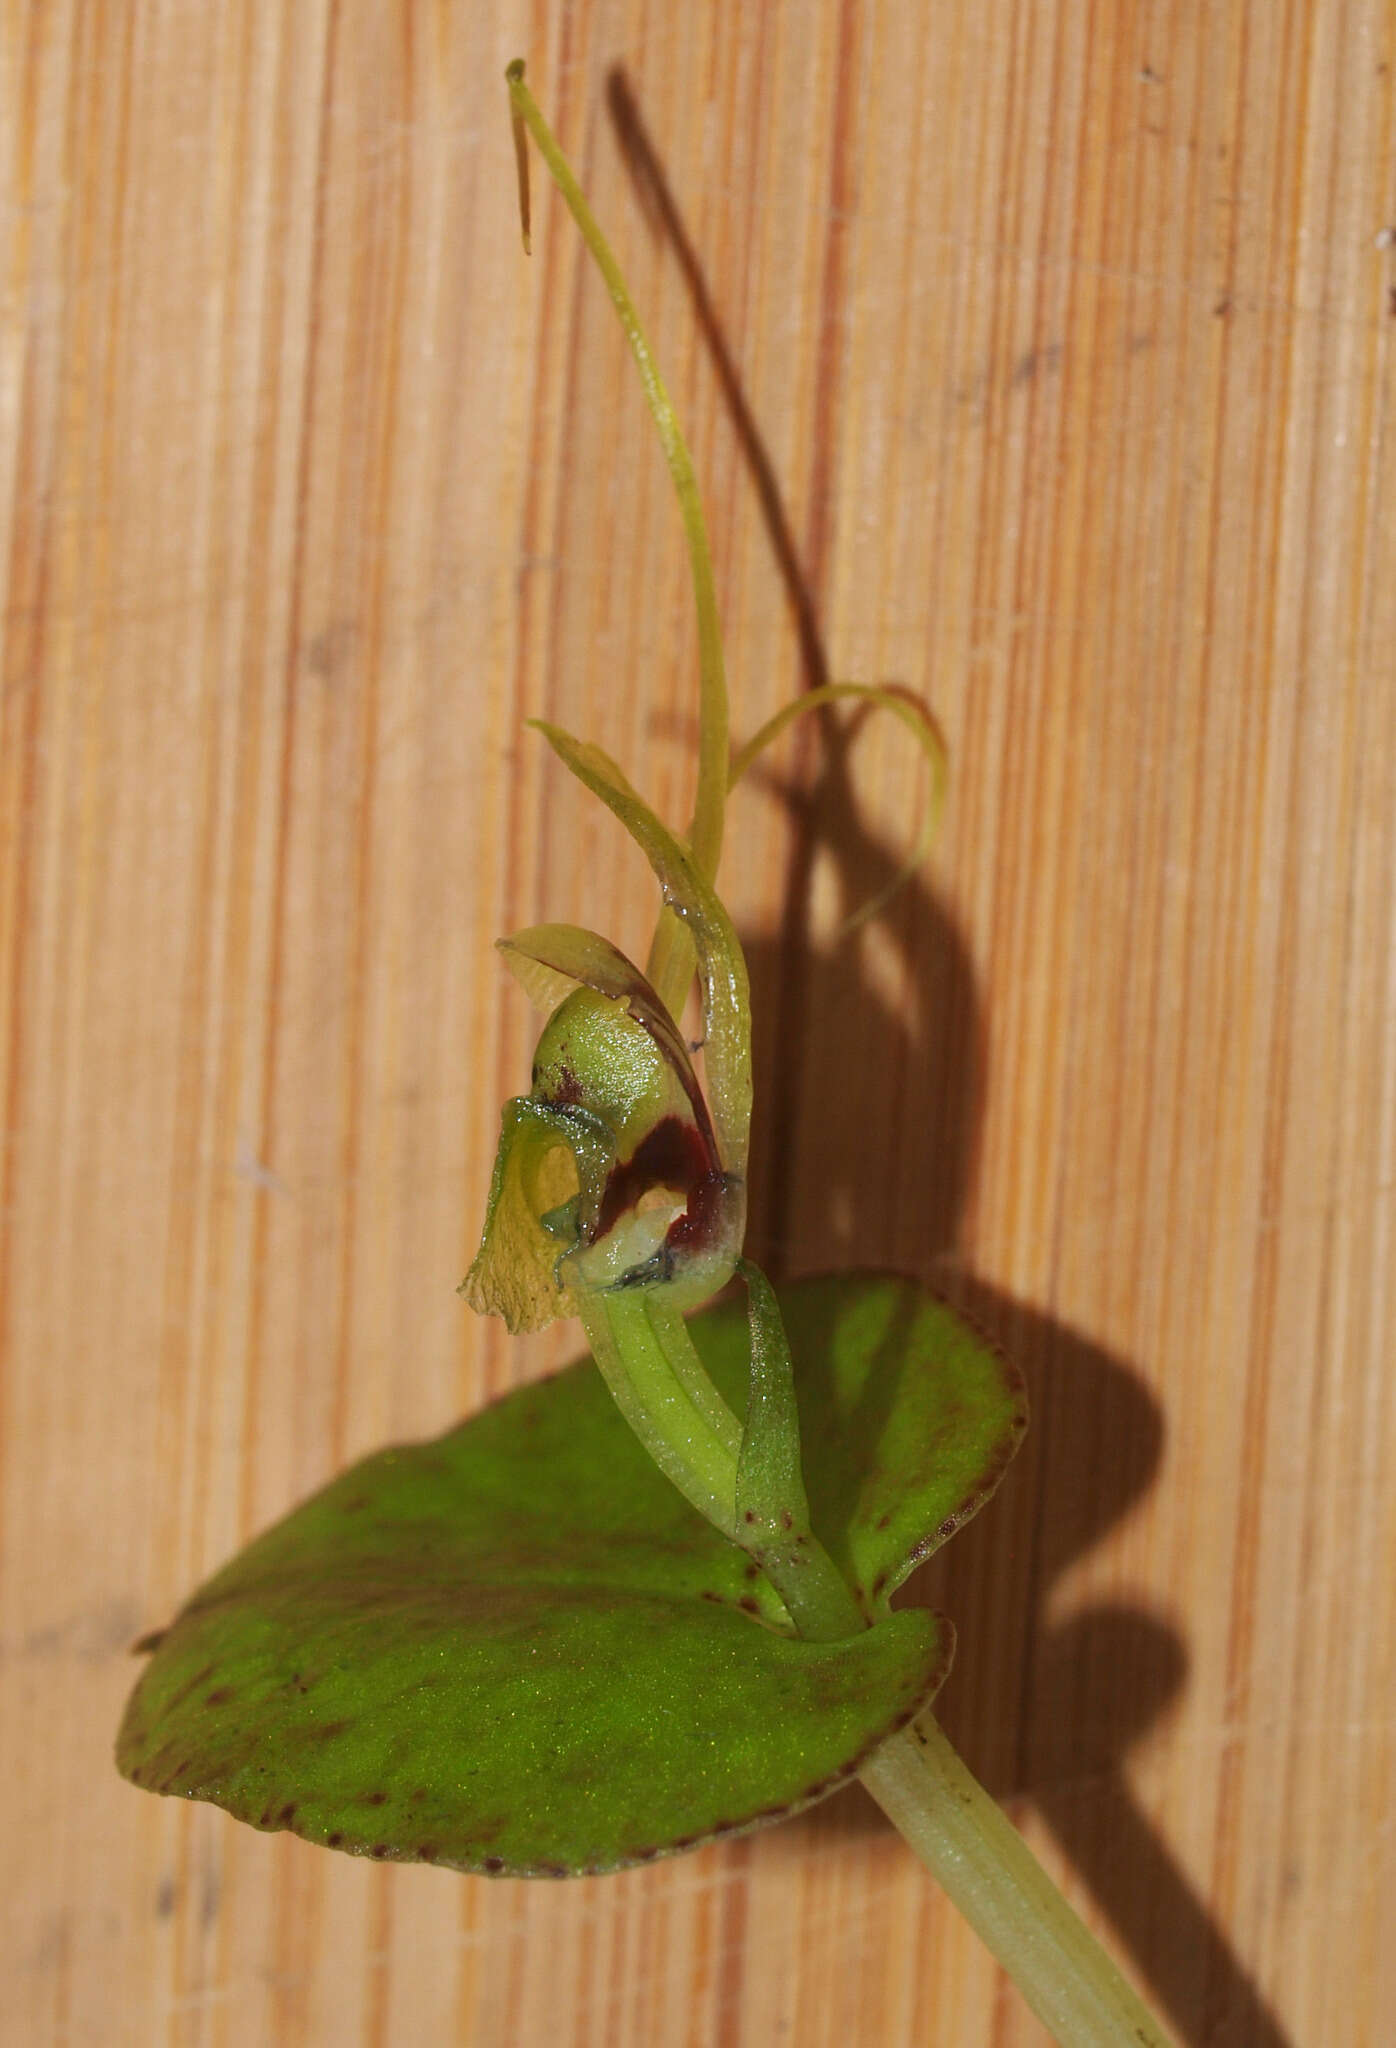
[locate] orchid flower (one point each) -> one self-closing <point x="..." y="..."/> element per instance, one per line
<point x="619" y="1189"/>
<point x="613" y="1172"/>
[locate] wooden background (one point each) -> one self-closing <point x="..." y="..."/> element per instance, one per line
<point x="1040" y="354"/>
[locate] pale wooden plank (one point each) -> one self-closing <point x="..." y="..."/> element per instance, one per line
<point x="1069" y="346"/>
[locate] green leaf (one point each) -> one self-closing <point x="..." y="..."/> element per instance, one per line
<point x="518" y="1649"/>
<point x="908" y="1417"/>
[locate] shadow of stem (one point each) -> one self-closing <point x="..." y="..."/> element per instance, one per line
<point x="1040" y="1709"/>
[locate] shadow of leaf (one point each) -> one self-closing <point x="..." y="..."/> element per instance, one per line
<point x="854" y="1102"/>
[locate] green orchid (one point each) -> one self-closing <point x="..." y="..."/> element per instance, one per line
<point x="469" y="1652"/>
<point x="612" y="1173"/>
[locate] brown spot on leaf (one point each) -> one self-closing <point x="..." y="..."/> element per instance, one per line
<point x="493" y="1864"/>
<point x="380" y="1850"/>
<point x="220" y="1695"/>
<point x="748" y="1605"/>
<point x="427" y="1852"/>
<point x="287" y="1814"/>
<point x="375" y="1799"/>
<point x="333" y="1841"/>
<point x="190" y="1685"/>
<point x="143" y="1645"/>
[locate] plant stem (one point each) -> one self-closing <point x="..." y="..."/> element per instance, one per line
<point x="671" y="1335"/>
<point x="960" y="1833"/>
<point x="659" y="1408"/>
<point x="979" y="1858"/>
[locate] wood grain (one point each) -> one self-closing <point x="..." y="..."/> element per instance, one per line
<point x="1037" y="354"/>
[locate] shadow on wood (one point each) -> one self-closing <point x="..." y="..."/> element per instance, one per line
<point x="1042" y="1709"/>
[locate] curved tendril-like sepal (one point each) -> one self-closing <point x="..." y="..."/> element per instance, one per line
<point x="923" y="729"/>
<point x="670" y="963"/>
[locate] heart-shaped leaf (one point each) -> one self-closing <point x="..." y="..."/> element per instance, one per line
<point x="518" y="1649"/>
<point x="908" y="1416"/>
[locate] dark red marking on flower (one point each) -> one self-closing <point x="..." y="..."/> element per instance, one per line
<point x="672" y="1155"/>
<point x="701" y="1223"/>
<point x="566" y="1091"/>
<point x="748" y="1605"/>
